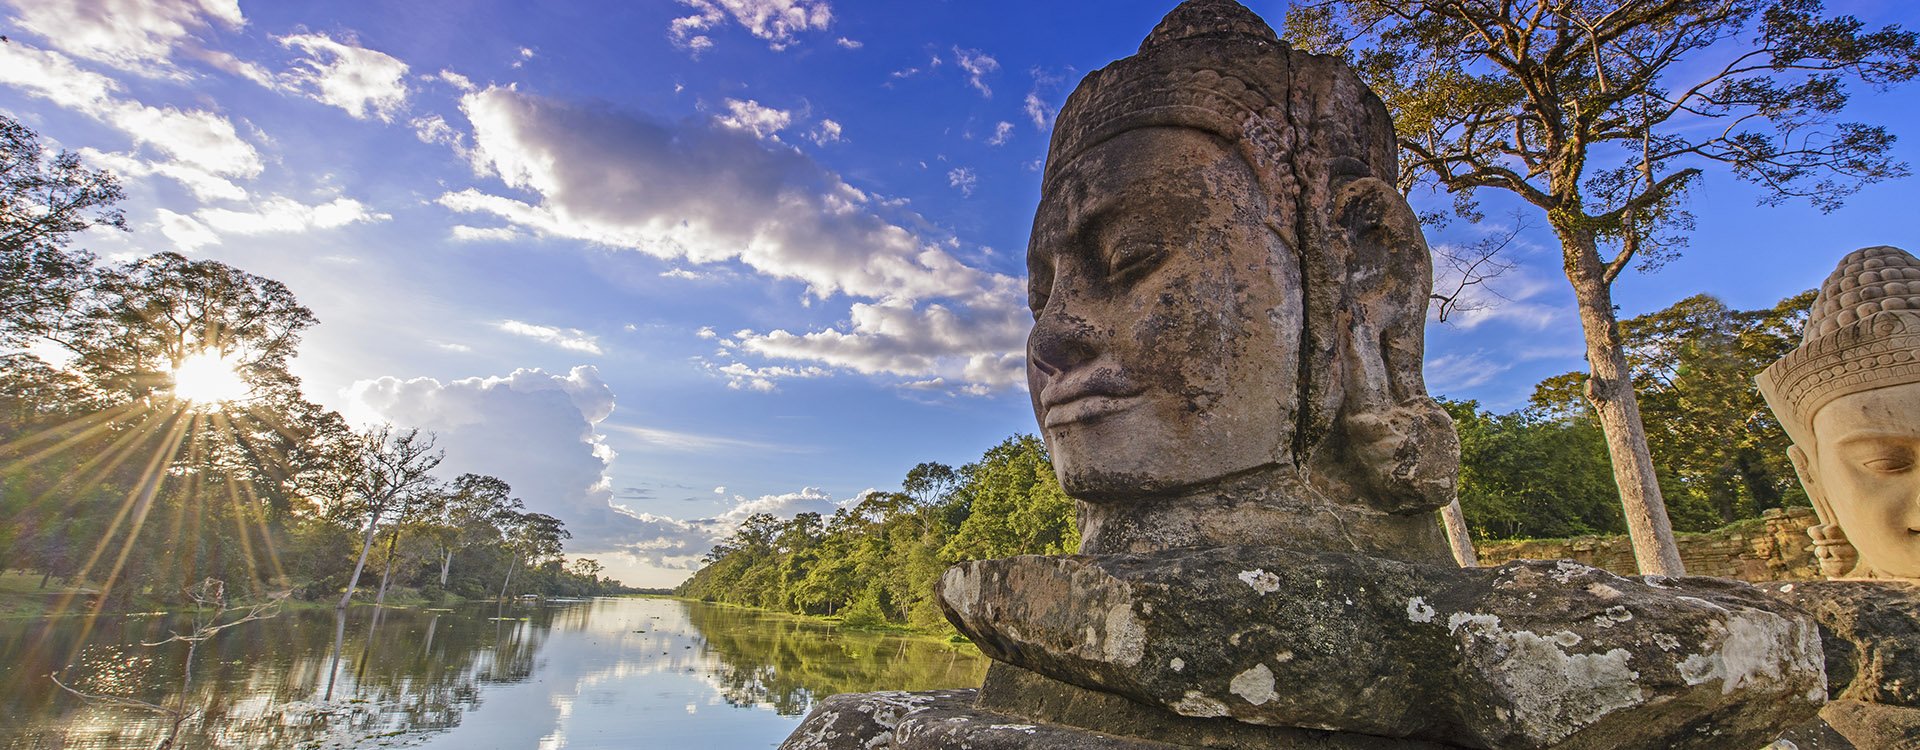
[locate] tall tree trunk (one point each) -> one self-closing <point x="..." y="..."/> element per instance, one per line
<point x="1456" y="521"/>
<point x="445" y="563"/>
<point x="366" y="545"/>
<point x="1610" y="392"/>
<point x="509" y="578"/>
<point x="386" y="571"/>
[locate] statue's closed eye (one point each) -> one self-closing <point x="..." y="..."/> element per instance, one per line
<point x="1890" y="464"/>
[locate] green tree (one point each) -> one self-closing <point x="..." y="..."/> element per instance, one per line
<point x="1601" y="114"/>
<point x="1533" y="474"/>
<point x="1015" y="505"/>
<point x="44" y="202"/>
<point x="391" y="469"/>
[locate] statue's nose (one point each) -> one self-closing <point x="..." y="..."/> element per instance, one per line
<point x="1061" y="340"/>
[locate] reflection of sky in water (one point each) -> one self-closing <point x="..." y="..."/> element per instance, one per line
<point x="609" y="673"/>
<point x="598" y="683"/>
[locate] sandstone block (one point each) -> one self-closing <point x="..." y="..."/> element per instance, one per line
<point x="1532" y="654"/>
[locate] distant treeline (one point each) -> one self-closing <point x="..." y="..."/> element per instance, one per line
<point x="876" y="561"/>
<point x="1536" y="472"/>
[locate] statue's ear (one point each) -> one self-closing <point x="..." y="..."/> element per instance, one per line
<point x="1399" y="444"/>
<point x="1810" y="481"/>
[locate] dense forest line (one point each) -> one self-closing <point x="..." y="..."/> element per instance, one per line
<point x="151" y="436"/>
<point x="1537" y="472"/>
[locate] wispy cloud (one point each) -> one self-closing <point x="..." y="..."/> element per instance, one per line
<point x="978" y="66"/>
<point x="571" y="339"/>
<point x="365" y="83"/>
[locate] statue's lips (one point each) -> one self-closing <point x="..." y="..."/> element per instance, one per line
<point x="1087" y="407"/>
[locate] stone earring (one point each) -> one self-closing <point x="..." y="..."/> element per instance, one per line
<point x="1836" y="555"/>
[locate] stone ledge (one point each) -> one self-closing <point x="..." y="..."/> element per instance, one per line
<point x="1533" y="654"/>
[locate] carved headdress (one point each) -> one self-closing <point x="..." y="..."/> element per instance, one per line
<point x="1321" y="145"/>
<point x="1863" y="333"/>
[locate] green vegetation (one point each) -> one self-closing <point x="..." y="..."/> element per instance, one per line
<point x="875" y="562"/>
<point x="169" y="444"/>
<point x="1542" y="471"/>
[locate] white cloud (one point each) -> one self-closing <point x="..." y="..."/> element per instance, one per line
<point x="749" y="116"/>
<point x="197" y="140"/>
<point x="1002" y="133"/>
<point x="276" y="215"/>
<point x="774" y="21"/>
<point x="703" y="193"/>
<point x="365" y="83"/>
<point x="535" y="430"/>
<point x="1038" y="111"/>
<point x="963" y="179"/>
<point x="721" y="490"/>
<point x="742" y="377"/>
<point x="434" y="129"/>
<point x="982" y="345"/>
<point x="977" y="65"/>
<point x="706" y="332"/>
<point x="204" y="185"/>
<point x="848" y="43"/>
<point x="464" y="233"/>
<point x="135" y="35"/>
<point x="571" y="339"/>
<point x="827" y="132"/>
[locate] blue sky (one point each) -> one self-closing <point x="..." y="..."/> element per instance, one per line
<point x="664" y="264"/>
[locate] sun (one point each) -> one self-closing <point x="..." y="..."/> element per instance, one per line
<point x="207" y="378"/>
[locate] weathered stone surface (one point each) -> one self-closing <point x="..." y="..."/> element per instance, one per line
<point x="1229" y="301"/>
<point x="937" y="720"/>
<point x="1014" y="691"/>
<point x="1871" y="633"/>
<point x="1528" y="655"/>
<point x="1771" y="548"/>
<point x="1858" y="725"/>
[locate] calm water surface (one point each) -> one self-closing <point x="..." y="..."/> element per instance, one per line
<point x="626" y="673"/>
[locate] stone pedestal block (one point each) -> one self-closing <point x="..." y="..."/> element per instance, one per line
<point x="1532" y="654"/>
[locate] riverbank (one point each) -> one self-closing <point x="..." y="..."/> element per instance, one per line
<point x="22" y="596"/>
<point x="944" y="635"/>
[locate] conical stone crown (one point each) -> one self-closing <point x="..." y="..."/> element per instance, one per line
<point x="1201" y="18"/>
<point x="1867" y="281"/>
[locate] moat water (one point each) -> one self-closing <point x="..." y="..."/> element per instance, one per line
<point x="629" y="673"/>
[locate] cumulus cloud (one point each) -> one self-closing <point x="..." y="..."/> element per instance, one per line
<point x="203" y="184"/>
<point x="826" y="132"/>
<point x="136" y="35"/>
<point x="276" y="215"/>
<point x="749" y="116"/>
<point x="700" y="192"/>
<point x="202" y="142"/>
<point x="741" y="376"/>
<point x="365" y="83"/>
<point x="978" y="66"/>
<point x="541" y="432"/>
<point x="571" y="339"/>
<point x="848" y="43"/>
<point x="981" y="346"/>
<point x="774" y="21"/>
<point x="534" y="429"/>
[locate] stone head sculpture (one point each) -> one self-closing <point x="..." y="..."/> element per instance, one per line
<point x="1229" y="299"/>
<point x="1850" y="399"/>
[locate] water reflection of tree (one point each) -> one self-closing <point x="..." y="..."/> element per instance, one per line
<point x="789" y="663"/>
<point x="408" y="672"/>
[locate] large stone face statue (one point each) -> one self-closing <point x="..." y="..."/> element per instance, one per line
<point x="1229" y="299"/>
<point x="1850" y="399"/>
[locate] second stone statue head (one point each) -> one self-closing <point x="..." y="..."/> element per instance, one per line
<point x="1226" y="285"/>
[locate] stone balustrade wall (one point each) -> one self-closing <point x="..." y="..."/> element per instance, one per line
<point x="1774" y="547"/>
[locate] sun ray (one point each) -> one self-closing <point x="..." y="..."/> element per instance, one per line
<point x="102" y="422"/>
<point x="149" y="482"/>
